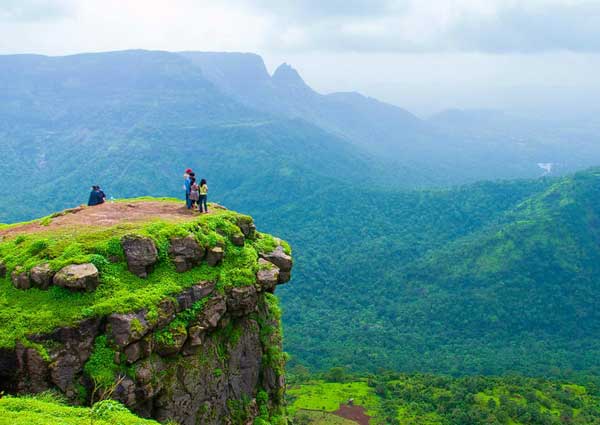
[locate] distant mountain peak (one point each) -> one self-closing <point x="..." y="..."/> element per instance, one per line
<point x="285" y="74"/>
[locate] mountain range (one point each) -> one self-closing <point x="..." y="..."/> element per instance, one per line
<point x="404" y="260"/>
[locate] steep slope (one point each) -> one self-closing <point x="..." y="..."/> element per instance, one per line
<point x="373" y="125"/>
<point x="171" y="313"/>
<point x="453" y="147"/>
<point x="133" y="120"/>
<point x="489" y="278"/>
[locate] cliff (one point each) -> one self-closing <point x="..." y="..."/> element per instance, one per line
<point x="168" y="312"/>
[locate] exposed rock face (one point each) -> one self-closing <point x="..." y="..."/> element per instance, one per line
<point x="141" y="254"/>
<point x="268" y="275"/>
<point x="78" y="277"/>
<point x="242" y="301"/>
<point x="214" y="256"/>
<point x="186" y="253"/>
<point x="201" y="355"/>
<point x="68" y="349"/>
<point x="282" y="260"/>
<point x="179" y="375"/>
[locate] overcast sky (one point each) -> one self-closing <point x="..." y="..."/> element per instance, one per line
<point x="533" y="56"/>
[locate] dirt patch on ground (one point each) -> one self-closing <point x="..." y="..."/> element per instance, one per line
<point x="109" y="214"/>
<point x="353" y="413"/>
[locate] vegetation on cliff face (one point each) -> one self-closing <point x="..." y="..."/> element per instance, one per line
<point x="440" y="400"/>
<point x="176" y="291"/>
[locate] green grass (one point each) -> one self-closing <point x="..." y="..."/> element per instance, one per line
<point x="320" y="418"/>
<point x="327" y="396"/>
<point x="46" y="409"/>
<point x="37" y="311"/>
<point x="395" y="399"/>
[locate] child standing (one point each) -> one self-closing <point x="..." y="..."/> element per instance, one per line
<point x="194" y="192"/>
<point x="203" y="195"/>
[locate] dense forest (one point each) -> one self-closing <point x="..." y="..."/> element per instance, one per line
<point x="489" y="278"/>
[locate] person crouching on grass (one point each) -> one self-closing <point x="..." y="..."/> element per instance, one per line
<point x="202" y="207"/>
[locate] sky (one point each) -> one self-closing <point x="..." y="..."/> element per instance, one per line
<point x="537" y="57"/>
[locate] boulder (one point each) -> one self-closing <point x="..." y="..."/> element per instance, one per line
<point x="215" y="256"/>
<point x="267" y="276"/>
<point x="279" y="258"/>
<point x="2" y="269"/>
<point x="20" y="278"/>
<point x="41" y="276"/>
<point x="78" y="277"/>
<point x="284" y="277"/>
<point x="166" y="312"/>
<point x="138" y="350"/>
<point x="186" y="253"/>
<point x="140" y="253"/>
<point x="212" y="312"/>
<point x="172" y="345"/>
<point x="238" y="239"/>
<point x="246" y="226"/>
<point x="196" y="336"/>
<point x="242" y="301"/>
<point x="189" y="296"/>
<point x="125" y="328"/>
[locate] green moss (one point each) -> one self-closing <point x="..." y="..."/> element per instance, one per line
<point x="46" y="409"/>
<point x="167" y="336"/>
<point x="36" y="311"/>
<point x="267" y="243"/>
<point x="101" y="367"/>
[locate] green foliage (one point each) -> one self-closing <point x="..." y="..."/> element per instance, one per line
<point x="440" y="400"/>
<point x="37" y="311"/>
<point x="101" y="366"/>
<point x="489" y="278"/>
<point x="46" y="409"/>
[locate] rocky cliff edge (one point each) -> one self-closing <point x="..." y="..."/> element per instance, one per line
<point x="171" y="313"/>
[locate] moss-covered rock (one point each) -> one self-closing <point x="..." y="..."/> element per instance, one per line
<point x="165" y="332"/>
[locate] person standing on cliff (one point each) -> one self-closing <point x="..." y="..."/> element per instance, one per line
<point x="187" y="186"/>
<point x="202" y="207"/>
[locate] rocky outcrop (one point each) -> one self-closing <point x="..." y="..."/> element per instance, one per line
<point x="214" y="256"/>
<point x="78" y="277"/>
<point x="268" y="275"/>
<point x="141" y="254"/>
<point x="282" y="261"/>
<point x="186" y="253"/>
<point x="195" y="356"/>
<point x="200" y="353"/>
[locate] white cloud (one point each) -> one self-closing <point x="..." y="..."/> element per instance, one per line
<point x="35" y="10"/>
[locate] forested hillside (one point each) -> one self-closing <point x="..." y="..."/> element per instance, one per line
<point x="132" y="120"/>
<point x="489" y="278"/>
<point x="484" y="278"/>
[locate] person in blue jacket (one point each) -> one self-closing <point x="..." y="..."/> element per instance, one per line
<point x="187" y="185"/>
<point x="97" y="196"/>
